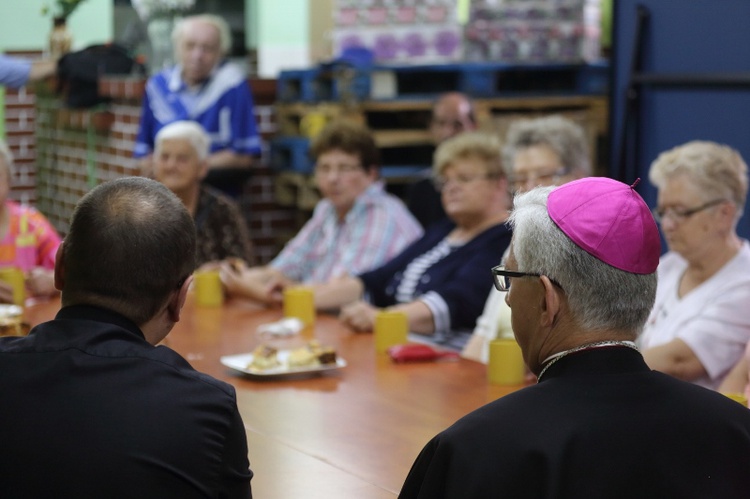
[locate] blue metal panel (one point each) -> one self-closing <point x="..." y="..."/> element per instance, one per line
<point x="704" y="37"/>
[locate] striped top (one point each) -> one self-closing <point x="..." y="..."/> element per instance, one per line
<point x="374" y="230"/>
<point x="454" y="286"/>
<point x="413" y="273"/>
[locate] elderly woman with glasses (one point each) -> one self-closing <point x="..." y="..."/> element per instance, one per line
<point x="546" y="151"/>
<point x="700" y="324"/>
<point x="551" y="150"/>
<point x="441" y="280"/>
<point x="356" y="226"/>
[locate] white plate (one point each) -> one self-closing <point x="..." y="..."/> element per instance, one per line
<point x="7" y="310"/>
<point x="241" y="361"/>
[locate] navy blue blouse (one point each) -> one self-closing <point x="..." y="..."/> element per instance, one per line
<point x="462" y="279"/>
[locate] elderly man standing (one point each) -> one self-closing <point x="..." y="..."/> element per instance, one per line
<point x="580" y="281"/>
<point x="91" y="406"/>
<point x="202" y="87"/>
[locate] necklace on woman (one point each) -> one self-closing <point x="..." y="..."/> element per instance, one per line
<point x="588" y="346"/>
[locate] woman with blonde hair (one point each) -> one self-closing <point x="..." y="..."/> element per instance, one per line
<point x="441" y="280"/>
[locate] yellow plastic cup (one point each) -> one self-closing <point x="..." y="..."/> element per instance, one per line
<point x="15" y="277"/>
<point x="208" y="289"/>
<point x="506" y="366"/>
<point x="299" y="302"/>
<point x="391" y="328"/>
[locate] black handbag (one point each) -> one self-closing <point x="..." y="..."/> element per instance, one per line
<point x="78" y="72"/>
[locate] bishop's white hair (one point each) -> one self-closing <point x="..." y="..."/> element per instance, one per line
<point x="601" y="297"/>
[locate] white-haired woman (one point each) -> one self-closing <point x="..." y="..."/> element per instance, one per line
<point x="202" y="87"/>
<point x="27" y="240"/>
<point x="180" y="163"/>
<point x="700" y="324"/>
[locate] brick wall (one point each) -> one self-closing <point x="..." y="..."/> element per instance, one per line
<point x="78" y="149"/>
<point x="20" y="122"/>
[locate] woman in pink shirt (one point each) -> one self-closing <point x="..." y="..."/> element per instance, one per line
<point x="27" y="240"/>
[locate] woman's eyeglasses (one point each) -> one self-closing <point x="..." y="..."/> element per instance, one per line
<point x="679" y="215"/>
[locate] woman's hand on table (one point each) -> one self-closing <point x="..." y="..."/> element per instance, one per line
<point x="359" y="315"/>
<point x="6" y="292"/>
<point x="273" y="292"/>
<point x="258" y="283"/>
<point x="240" y="281"/>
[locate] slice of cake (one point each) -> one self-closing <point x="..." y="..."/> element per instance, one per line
<point x="302" y="357"/>
<point x="264" y="358"/>
<point x="312" y="355"/>
<point x="327" y="355"/>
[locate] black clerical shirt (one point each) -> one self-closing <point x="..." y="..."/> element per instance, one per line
<point x="599" y="424"/>
<point x="89" y="409"/>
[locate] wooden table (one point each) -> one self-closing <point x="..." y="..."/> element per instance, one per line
<point x="349" y="433"/>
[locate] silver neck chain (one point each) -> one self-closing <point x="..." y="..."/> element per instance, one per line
<point x="588" y="346"/>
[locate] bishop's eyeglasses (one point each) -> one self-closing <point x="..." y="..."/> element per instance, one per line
<point x="501" y="277"/>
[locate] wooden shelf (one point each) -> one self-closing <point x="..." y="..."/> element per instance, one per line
<point x="404" y="123"/>
<point x="400" y="138"/>
<point x="397" y="105"/>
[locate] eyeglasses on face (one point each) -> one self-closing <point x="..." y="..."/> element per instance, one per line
<point x="323" y="169"/>
<point x="679" y="215"/>
<point x="501" y="277"/>
<point x="549" y="177"/>
<point x="454" y="124"/>
<point x="461" y="180"/>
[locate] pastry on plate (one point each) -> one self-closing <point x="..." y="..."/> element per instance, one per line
<point x="264" y="358"/>
<point x="312" y="354"/>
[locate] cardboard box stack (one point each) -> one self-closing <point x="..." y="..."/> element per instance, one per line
<point x="533" y="31"/>
<point x="400" y="31"/>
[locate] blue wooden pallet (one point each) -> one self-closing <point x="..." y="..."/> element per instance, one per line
<point x="298" y="85"/>
<point x="488" y="80"/>
<point x="480" y="80"/>
<point x="291" y="154"/>
<point x="322" y="84"/>
<point x="399" y="171"/>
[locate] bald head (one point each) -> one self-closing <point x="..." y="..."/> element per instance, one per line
<point x="131" y="243"/>
<point x="452" y="114"/>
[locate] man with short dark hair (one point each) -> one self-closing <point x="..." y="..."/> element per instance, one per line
<point x="91" y="407"/>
